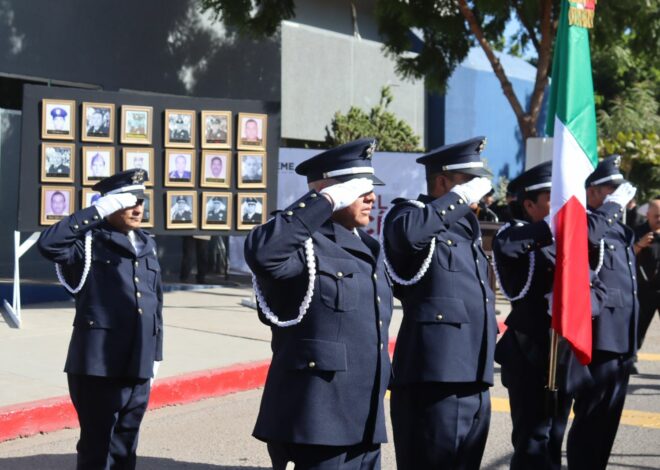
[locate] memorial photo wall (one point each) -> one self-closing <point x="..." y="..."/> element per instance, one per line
<point x="210" y="163"/>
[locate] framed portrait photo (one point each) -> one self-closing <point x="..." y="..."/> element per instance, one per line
<point x="139" y="158"/>
<point x="251" y="210"/>
<point x="216" y="169"/>
<point x="251" y="170"/>
<point x="148" y="205"/>
<point x="97" y="163"/>
<point x="89" y="197"/>
<point x="58" y="119"/>
<point x="216" y="129"/>
<point x="179" y="128"/>
<point x="181" y="209"/>
<point x="136" y="124"/>
<point x="252" y="131"/>
<point x="58" y="162"/>
<point x="179" y="168"/>
<point x="56" y="203"/>
<point x="98" y="122"/>
<point x="217" y="210"/>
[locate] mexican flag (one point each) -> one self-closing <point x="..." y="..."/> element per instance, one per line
<point x="572" y="123"/>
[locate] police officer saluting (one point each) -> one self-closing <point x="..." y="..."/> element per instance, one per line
<point x="321" y="286"/>
<point x="598" y="408"/>
<point x="525" y="265"/>
<point x="118" y="327"/>
<point x="443" y="361"/>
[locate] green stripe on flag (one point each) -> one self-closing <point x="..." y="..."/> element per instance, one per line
<point x="571" y="90"/>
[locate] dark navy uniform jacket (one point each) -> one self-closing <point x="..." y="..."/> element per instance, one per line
<point x="118" y="326"/>
<point x="329" y="373"/>
<point x="529" y="321"/>
<point x="615" y="330"/>
<point x="449" y="328"/>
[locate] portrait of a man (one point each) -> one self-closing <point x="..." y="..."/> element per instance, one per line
<point x="180" y="167"/>
<point x="58" y="161"/>
<point x="216" y="210"/>
<point x="252" y="172"/>
<point x="146" y="214"/>
<point x="58" y="119"/>
<point x="181" y="211"/>
<point x="98" y="163"/>
<point x="251" y="211"/>
<point x="90" y="197"/>
<point x="141" y="159"/>
<point x="216" y="129"/>
<point x="252" y="131"/>
<point x="216" y="169"/>
<point x="56" y="204"/>
<point x="98" y="121"/>
<point x="179" y="128"/>
<point x="136" y="123"/>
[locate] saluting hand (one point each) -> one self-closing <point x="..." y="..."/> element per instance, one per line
<point x="344" y="194"/>
<point x="623" y="194"/>
<point x="112" y="203"/>
<point x="472" y="191"/>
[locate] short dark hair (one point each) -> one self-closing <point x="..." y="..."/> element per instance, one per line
<point x="216" y="158"/>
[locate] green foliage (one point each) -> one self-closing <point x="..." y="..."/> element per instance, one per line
<point x="258" y="18"/>
<point x="640" y="162"/>
<point x="393" y="134"/>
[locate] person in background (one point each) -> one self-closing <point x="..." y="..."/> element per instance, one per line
<point x="647" y="249"/>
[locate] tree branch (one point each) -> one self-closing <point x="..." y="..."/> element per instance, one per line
<point x="544" y="57"/>
<point x="528" y="27"/>
<point x="522" y="117"/>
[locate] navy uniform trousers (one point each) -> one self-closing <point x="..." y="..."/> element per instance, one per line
<point x="443" y="361"/>
<point x="322" y="405"/>
<point x="117" y="334"/>
<point x="598" y="408"/>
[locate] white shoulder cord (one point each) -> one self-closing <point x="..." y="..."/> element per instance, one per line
<point x="601" y="256"/>
<point x="88" y="264"/>
<point x="302" y="310"/>
<point x="425" y="265"/>
<point x="530" y="273"/>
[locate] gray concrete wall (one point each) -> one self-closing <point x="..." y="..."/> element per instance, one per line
<point x="327" y="67"/>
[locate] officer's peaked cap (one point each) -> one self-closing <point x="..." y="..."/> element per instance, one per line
<point x="58" y="112"/>
<point x="607" y="172"/>
<point x="461" y="157"/>
<point x="128" y="181"/>
<point x="537" y="178"/>
<point x="345" y="162"/>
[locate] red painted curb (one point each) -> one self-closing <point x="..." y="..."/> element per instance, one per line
<point x="52" y="414"/>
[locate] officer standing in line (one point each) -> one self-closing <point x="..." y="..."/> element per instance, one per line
<point x="321" y="286"/>
<point x="598" y="408"/>
<point x="118" y="326"/>
<point x="443" y="361"/>
<point x="524" y="254"/>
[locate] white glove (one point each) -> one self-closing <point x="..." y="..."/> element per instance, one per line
<point x="344" y="194"/>
<point x="112" y="203"/>
<point x="472" y="191"/>
<point x="155" y="370"/>
<point x="623" y="194"/>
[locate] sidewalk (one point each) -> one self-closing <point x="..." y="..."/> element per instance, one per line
<point x="213" y="346"/>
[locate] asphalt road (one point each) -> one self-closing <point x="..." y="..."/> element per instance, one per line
<point x="214" y="434"/>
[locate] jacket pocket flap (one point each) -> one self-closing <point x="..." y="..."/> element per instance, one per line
<point x="337" y="267"/>
<point x="153" y="264"/>
<point x="93" y="321"/>
<point x="105" y="256"/>
<point x="442" y="310"/>
<point x="314" y="354"/>
<point x="613" y="298"/>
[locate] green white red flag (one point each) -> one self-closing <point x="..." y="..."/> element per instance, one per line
<point x="572" y="123"/>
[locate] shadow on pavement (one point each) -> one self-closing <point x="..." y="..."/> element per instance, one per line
<point x="68" y="461"/>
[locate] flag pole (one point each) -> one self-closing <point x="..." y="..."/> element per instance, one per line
<point x="551" y="388"/>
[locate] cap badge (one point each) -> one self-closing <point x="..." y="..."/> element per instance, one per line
<point x="482" y="145"/>
<point x="138" y="177"/>
<point x="617" y="161"/>
<point x="371" y="149"/>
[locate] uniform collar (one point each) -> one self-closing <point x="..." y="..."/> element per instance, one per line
<point x="347" y="240"/>
<point x="120" y="239"/>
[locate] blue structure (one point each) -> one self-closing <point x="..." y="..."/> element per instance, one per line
<point x="475" y="105"/>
